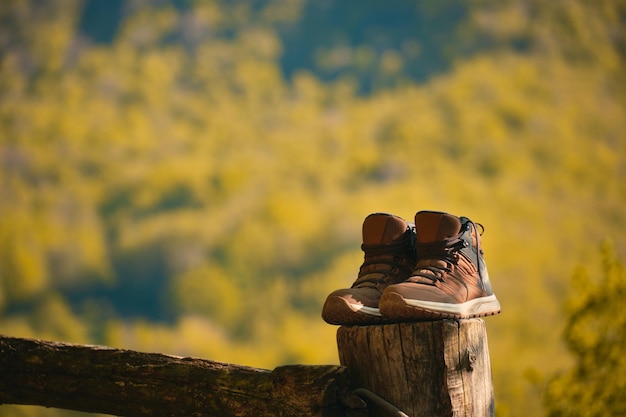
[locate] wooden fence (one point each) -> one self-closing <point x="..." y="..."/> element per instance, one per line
<point x="435" y="369"/>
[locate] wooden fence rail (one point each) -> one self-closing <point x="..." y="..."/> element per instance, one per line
<point x="127" y="383"/>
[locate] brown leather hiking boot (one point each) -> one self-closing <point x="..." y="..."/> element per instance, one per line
<point x="450" y="279"/>
<point x="389" y="259"/>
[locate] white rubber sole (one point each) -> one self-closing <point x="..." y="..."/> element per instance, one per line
<point x="483" y="306"/>
<point x="365" y="309"/>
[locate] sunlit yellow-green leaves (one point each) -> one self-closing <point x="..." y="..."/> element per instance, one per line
<point x="595" y="333"/>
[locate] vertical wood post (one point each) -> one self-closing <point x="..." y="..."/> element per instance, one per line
<point x="434" y="368"/>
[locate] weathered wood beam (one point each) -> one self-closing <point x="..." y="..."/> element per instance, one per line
<point x="435" y="368"/>
<point x="128" y="383"/>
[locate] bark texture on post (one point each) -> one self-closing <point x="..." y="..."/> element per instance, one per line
<point x="128" y="383"/>
<point x="431" y="369"/>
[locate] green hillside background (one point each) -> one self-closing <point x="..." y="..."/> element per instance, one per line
<point x="191" y="177"/>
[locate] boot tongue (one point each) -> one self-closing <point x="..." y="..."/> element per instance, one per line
<point x="433" y="226"/>
<point x="382" y="228"/>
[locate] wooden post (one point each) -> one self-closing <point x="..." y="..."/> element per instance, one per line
<point x="435" y="368"/>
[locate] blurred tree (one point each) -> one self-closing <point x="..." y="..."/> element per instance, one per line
<point x="379" y="46"/>
<point x="595" y="333"/>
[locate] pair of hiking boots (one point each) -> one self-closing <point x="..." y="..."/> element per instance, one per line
<point x="432" y="269"/>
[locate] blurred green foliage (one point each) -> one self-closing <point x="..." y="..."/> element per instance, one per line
<point x="595" y="333"/>
<point x="196" y="183"/>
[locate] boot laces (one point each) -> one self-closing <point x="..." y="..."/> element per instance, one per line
<point x="446" y="250"/>
<point x="385" y="260"/>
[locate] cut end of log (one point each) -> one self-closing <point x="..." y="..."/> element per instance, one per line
<point x="431" y="368"/>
